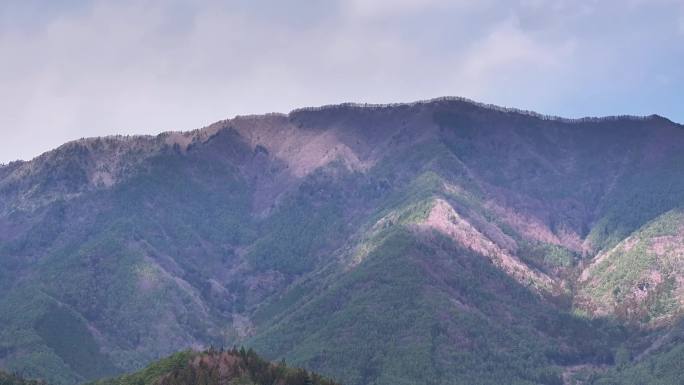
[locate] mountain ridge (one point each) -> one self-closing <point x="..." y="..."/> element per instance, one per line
<point x="493" y="107"/>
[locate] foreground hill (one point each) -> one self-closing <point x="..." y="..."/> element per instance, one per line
<point x="217" y="368"/>
<point x="212" y="367"/>
<point x="439" y="242"/>
<point x="11" y="379"/>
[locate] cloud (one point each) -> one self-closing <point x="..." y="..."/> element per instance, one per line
<point x="386" y="8"/>
<point x="508" y="47"/>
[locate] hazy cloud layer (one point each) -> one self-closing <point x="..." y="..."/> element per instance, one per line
<point x="79" y="68"/>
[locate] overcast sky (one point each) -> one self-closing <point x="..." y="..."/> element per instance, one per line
<point x="77" y="68"/>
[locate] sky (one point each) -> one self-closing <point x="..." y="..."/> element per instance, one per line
<point x="81" y="68"/>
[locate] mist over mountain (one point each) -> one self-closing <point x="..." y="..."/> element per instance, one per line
<point x="437" y="242"/>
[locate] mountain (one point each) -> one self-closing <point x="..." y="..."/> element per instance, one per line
<point x="11" y="379"/>
<point x="437" y="242"/>
<point x="211" y="367"/>
<point x="218" y="367"/>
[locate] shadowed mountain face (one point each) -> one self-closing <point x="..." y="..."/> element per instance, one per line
<point x="441" y="242"/>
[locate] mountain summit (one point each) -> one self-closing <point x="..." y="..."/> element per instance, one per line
<point x="437" y="242"/>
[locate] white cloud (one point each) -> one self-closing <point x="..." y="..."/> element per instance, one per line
<point x="384" y="8"/>
<point x="506" y="47"/>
